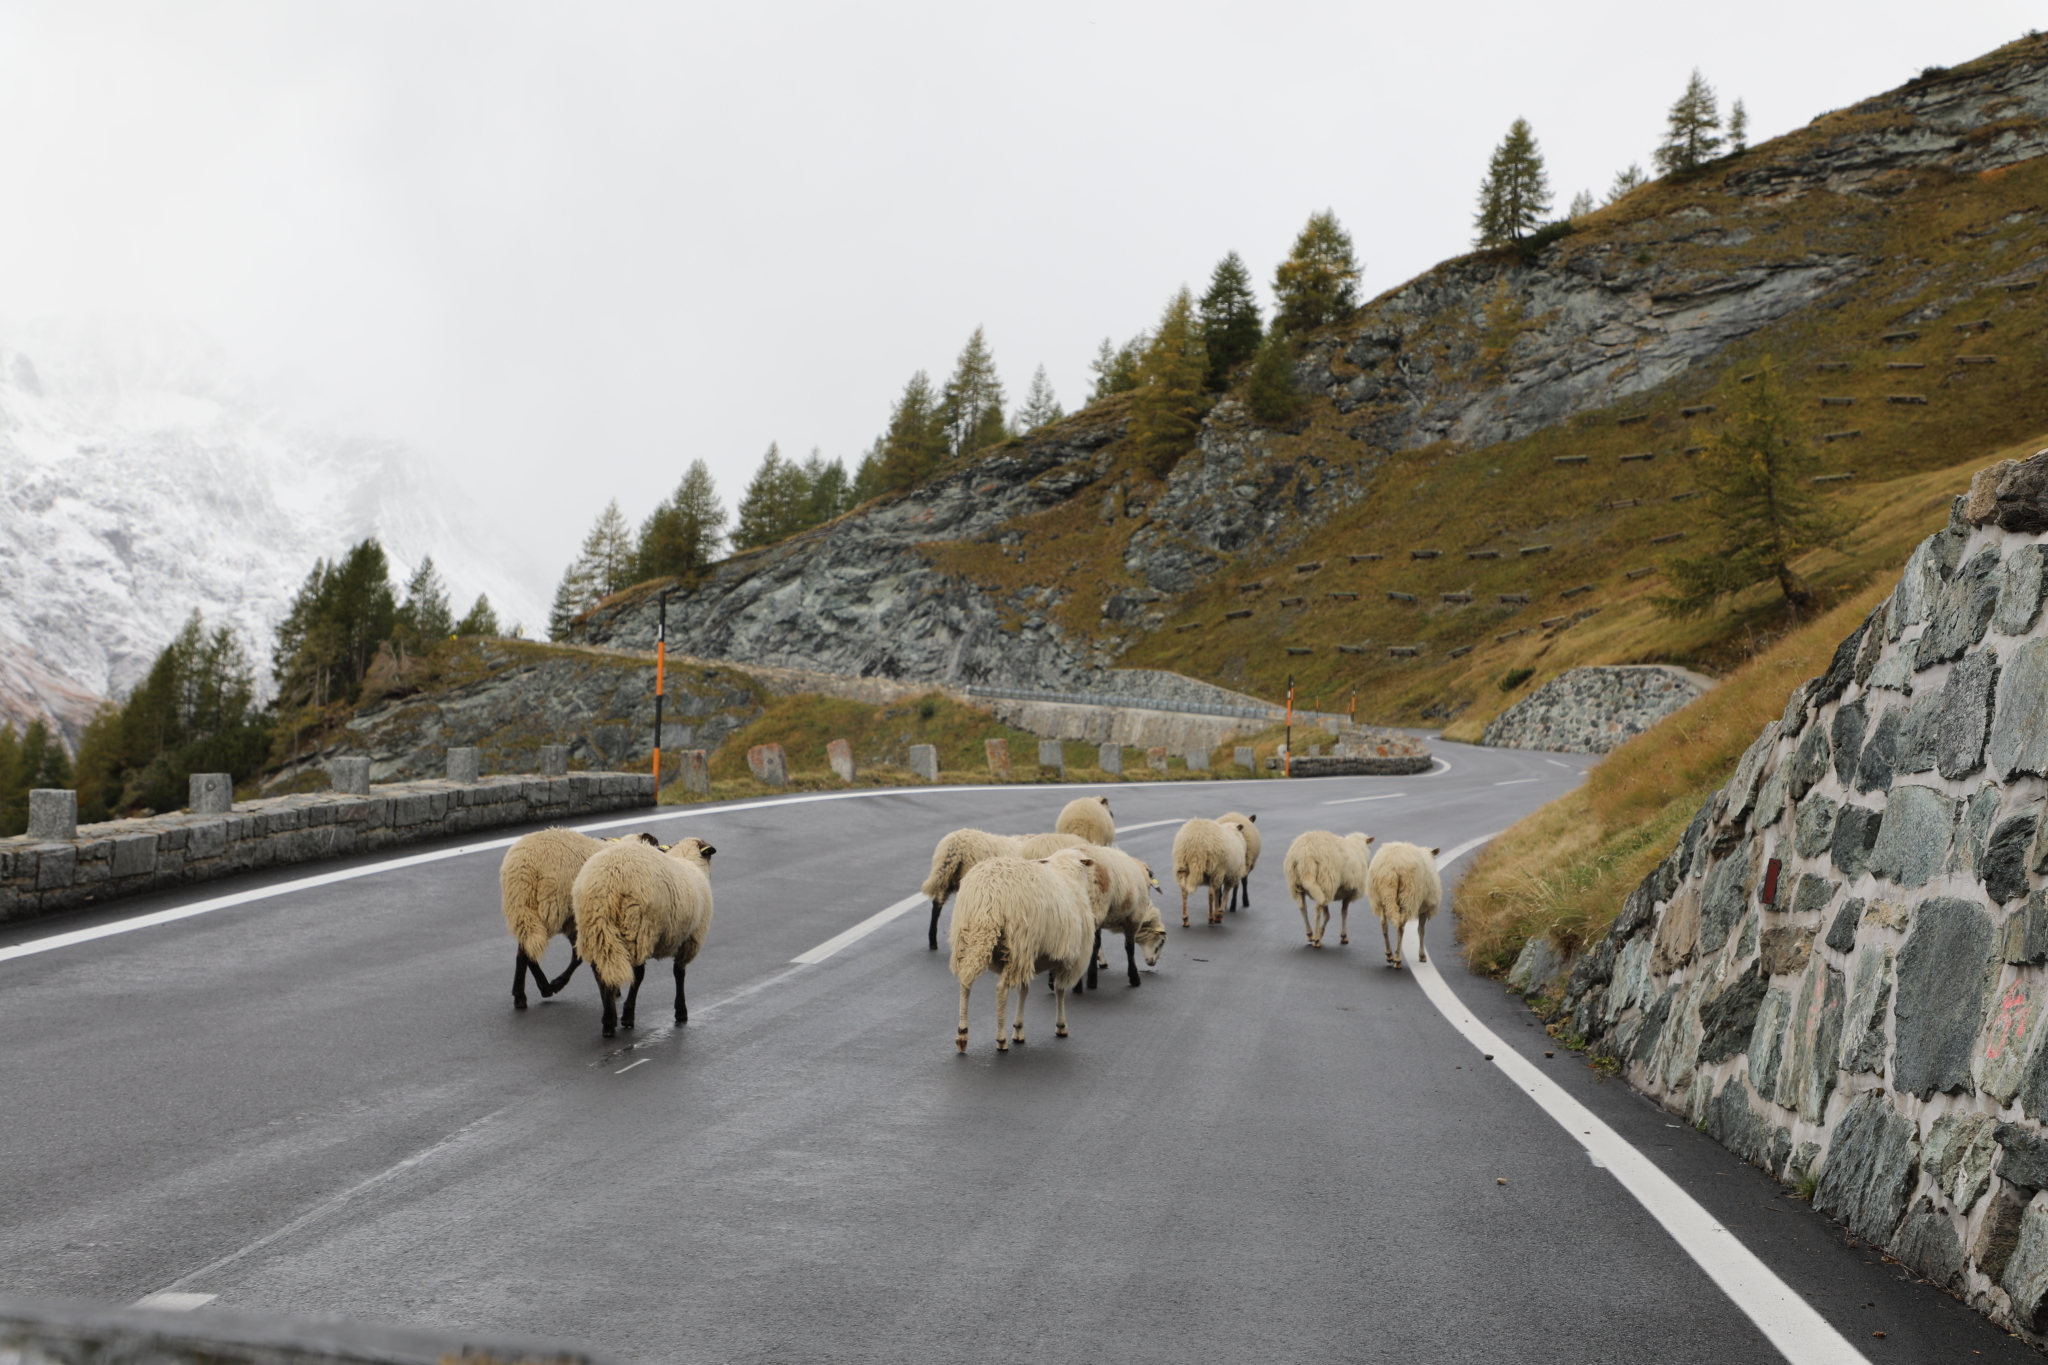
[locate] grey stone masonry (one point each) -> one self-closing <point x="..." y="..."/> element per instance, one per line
<point x="1052" y="753"/>
<point x="41" y="873"/>
<point x="349" y="776"/>
<point x="1590" y="710"/>
<point x="1361" y="765"/>
<point x="1876" y="1022"/>
<point x="210" y="794"/>
<point x="924" y="761"/>
<point x="696" y="772"/>
<point x="1244" y="756"/>
<point x="1111" y="758"/>
<point x="554" y="760"/>
<point x="52" y="813"/>
<point x="1198" y="760"/>
<point x="463" y="765"/>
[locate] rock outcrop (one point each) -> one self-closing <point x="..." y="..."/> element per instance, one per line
<point x="1590" y="710"/>
<point x="1841" y="969"/>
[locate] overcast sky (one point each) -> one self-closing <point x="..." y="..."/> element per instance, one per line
<point x="563" y="249"/>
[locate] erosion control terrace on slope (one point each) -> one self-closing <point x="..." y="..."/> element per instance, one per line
<point x="1841" y="968"/>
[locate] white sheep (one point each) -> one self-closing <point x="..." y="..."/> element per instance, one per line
<point x="1088" y="816"/>
<point x="1252" y="844"/>
<point x="963" y="848"/>
<point x="1021" y="917"/>
<point x="1404" y="886"/>
<point x="533" y="885"/>
<point x="1322" y="867"/>
<point x="1130" y="911"/>
<point x="1210" y="854"/>
<point x="634" y="903"/>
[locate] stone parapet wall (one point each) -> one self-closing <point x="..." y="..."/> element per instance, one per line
<point x="1841" y="969"/>
<point x="125" y="857"/>
<point x="1590" y="710"/>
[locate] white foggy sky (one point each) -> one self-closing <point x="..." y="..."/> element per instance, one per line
<point x="566" y="248"/>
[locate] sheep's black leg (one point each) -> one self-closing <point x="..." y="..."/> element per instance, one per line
<point x="1246" y="887"/>
<point x="610" y="996"/>
<point x="1094" y="953"/>
<point x="682" y="1010"/>
<point x="540" y="979"/>
<point x="1131" y="956"/>
<point x="1233" y="898"/>
<point x="519" y="961"/>
<point x="633" y="996"/>
<point x="555" y="986"/>
<point x="932" y="941"/>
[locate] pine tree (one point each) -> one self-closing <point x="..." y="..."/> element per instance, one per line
<point x="1693" y="136"/>
<point x="1231" y="327"/>
<point x="1166" y="411"/>
<point x="1318" y="282"/>
<point x="680" y="537"/>
<point x="35" y="760"/>
<point x="602" y="566"/>
<point x="1758" y="477"/>
<point x="1516" y="190"/>
<point x="827" y="489"/>
<point x="1626" y="182"/>
<point x="481" y="620"/>
<point x="1116" y="367"/>
<point x="1270" y="390"/>
<point x="1738" y="130"/>
<point x="867" y="476"/>
<point x="774" y="504"/>
<point x="1040" y="407"/>
<point x="193" y="712"/>
<point x="1582" y="204"/>
<point x="572" y="598"/>
<point x="971" y="409"/>
<point x="424" y="616"/>
<point x="915" y="444"/>
<point x="342" y="613"/>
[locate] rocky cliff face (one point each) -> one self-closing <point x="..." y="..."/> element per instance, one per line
<point x="1590" y="710"/>
<point x="1841" y="968"/>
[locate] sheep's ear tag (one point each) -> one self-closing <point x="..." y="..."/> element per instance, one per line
<point x="706" y="849"/>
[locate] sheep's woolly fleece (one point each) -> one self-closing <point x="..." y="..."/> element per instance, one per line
<point x="1088" y="816"/>
<point x="634" y="904"/>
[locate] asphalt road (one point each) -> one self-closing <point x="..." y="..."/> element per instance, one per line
<point x="324" y="1102"/>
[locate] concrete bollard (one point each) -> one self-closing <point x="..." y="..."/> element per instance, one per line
<point x="1246" y="757"/>
<point x="464" y="766"/>
<point x="998" y="751"/>
<point x="1198" y="760"/>
<point x="1156" y="756"/>
<point x="349" y="776"/>
<point x="1111" y="759"/>
<point x="1052" y="753"/>
<point x="52" y="813"/>
<point x="554" y="760"/>
<point x="210" y="794"/>
<point x="696" y="772"/>
<point x="840" y="755"/>
<point x="1315" y="751"/>
<point x="924" y="761"/>
<point x="769" y="763"/>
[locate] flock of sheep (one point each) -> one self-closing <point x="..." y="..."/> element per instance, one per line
<point x="1023" y="904"/>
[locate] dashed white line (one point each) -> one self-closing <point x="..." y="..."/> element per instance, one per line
<point x="1566" y="766"/>
<point x="630" y="1065"/>
<point x="1801" y="1335"/>
<point x="1353" y="800"/>
<point x="1517" y="781"/>
<point x="848" y="937"/>
<point x="173" y="1302"/>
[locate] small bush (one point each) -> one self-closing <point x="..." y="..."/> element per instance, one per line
<point x="1515" y="677"/>
<point x="1532" y="246"/>
<point x="1929" y="73"/>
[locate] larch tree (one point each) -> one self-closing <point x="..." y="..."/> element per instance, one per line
<point x="825" y="489"/>
<point x="775" y="503"/>
<point x="1040" y="406"/>
<point x="1318" y="282"/>
<point x="1693" y="135"/>
<point x="915" y="444"/>
<point x="1582" y="204"/>
<point x="1231" y="327"/>
<point x="425" y="615"/>
<point x="1738" y="129"/>
<point x="1270" y="391"/>
<point x="1172" y="392"/>
<point x="1627" y="181"/>
<point x="1116" y="367"/>
<point x="681" y="536"/>
<point x="1761" y="503"/>
<point x="971" y="407"/>
<point x="602" y="566"/>
<point x="1515" y="193"/>
<point x="481" y="620"/>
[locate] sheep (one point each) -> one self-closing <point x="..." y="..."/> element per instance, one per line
<point x="963" y="848"/>
<point x="1252" y="844"/>
<point x="1130" y="911"/>
<point x="1088" y="816"/>
<point x="533" y="884"/>
<point x="1322" y="867"/>
<point x="1208" y="853"/>
<point x="1404" y="886"/>
<point x="634" y="903"/>
<point x="1020" y="917"/>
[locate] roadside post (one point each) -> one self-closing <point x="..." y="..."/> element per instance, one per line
<point x="660" y="680"/>
<point x="1287" y="746"/>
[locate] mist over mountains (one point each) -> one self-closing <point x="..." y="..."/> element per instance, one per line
<point x="140" y="479"/>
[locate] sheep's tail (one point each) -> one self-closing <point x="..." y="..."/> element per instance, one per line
<point x="1407" y="892"/>
<point x="945" y="875"/>
<point x="522" y="885"/>
<point x="601" y="943"/>
<point x="977" y="945"/>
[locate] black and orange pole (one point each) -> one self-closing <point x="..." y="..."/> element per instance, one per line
<point x="1287" y="748"/>
<point x="660" y="680"/>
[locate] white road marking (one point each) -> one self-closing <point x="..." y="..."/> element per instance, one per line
<point x="1517" y="781"/>
<point x="1442" y="765"/>
<point x="1801" y="1335"/>
<point x="1566" y="766"/>
<point x="1150" y="824"/>
<point x="174" y="1303"/>
<point x="630" y="1065"/>
<point x="1351" y="800"/>
<point x="859" y="931"/>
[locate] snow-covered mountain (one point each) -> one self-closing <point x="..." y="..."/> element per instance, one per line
<point x="139" y="480"/>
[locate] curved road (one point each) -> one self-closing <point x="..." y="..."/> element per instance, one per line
<point x="322" y="1101"/>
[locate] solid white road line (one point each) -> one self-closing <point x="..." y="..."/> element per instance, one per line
<point x="1801" y="1335"/>
<point x="630" y="1065"/>
<point x="1150" y="824"/>
<point x="847" y="937"/>
<point x="174" y="1303"/>
<point x="1353" y="800"/>
<point x="1517" y="781"/>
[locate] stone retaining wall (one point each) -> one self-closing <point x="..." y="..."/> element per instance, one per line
<point x="1590" y="710"/>
<point x="1841" y="969"/>
<point x="124" y="857"/>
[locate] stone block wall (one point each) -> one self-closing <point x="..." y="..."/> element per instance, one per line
<point x="124" y="857"/>
<point x="1590" y="710"/>
<point x="1841" y="969"/>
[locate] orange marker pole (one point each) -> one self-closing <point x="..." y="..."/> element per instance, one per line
<point x="1287" y="749"/>
<point x="660" y="682"/>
